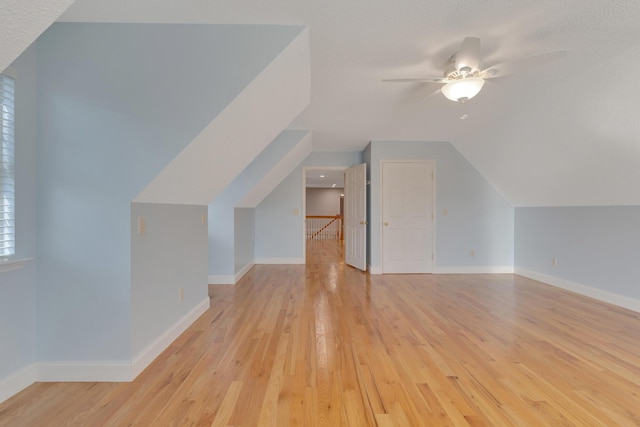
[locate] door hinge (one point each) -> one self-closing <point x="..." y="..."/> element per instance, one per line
<point x="367" y="182"/>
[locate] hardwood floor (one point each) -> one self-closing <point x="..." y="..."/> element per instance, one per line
<point x="325" y="344"/>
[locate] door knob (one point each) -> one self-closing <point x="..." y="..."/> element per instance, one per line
<point x="363" y="222"/>
<point x="386" y="223"/>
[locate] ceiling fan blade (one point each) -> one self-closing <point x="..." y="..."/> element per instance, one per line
<point x="412" y="97"/>
<point x="467" y="58"/>
<point x="418" y="80"/>
<point x="522" y="64"/>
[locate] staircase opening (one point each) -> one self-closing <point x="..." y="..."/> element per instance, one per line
<point x="324" y="210"/>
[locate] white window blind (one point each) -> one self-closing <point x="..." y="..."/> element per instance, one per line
<point x="7" y="168"/>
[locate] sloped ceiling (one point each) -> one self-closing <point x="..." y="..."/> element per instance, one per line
<point x="566" y="134"/>
<point x="239" y="133"/>
<point x="22" y="21"/>
<point x="285" y="165"/>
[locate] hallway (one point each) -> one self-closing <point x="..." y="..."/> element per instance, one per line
<point x="330" y="251"/>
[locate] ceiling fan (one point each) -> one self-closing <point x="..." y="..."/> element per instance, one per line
<point x="463" y="78"/>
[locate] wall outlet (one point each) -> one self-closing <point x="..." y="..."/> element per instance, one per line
<point x="142" y="228"/>
<point x="554" y="261"/>
<point x="180" y="294"/>
<point x="204" y="219"/>
<point x="445" y="212"/>
<point x="472" y="252"/>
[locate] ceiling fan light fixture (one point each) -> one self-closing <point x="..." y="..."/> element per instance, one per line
<point x="464" y="89"/>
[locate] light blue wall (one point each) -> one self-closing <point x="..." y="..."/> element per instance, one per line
<point x="244" y="225"/>
<point x="279" y="229"/>
<point x="278" y="226"/>
<point x="222" y="239"/>
<point x="171" y="254"/>
<point x="479" y="218"/>
<point x="594" y="246"/>
<point x="221" y="233"/>
<point x="116" y="103"/>
<point x="18" y="287"/>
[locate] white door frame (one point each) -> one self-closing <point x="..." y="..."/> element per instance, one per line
<point x="304" y="201"/>
<point x="433" y="194"/>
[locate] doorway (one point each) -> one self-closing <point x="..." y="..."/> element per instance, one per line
<point x="323" y="203"/>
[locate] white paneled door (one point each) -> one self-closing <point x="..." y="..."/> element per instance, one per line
<point x="407" y="217"/>
<point x="355" y="216"/>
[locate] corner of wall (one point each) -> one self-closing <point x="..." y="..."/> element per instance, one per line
<point x="18" y="381"/>
<point x="148" y="355"/>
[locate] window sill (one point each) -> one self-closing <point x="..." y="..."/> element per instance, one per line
<point x="13" y="264"/>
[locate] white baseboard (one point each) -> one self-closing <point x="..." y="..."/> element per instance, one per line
<point x="244" y="270"/>
<point x="473" y="269"/>
<point x="280" y="261"/>
<point x="17" y="382"/>
<point x="117" y="371"/>
<point x="98" y="371"/>
<point x="599" y="294"/>
<point x="84" y="371"/>
<point x="374" y="270"/>
<point x="230" y="280"/>
<point x="148" y="355"/>
<point x="222" y="280"/>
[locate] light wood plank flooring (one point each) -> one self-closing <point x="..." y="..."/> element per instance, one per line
<point x="324" y="344"/>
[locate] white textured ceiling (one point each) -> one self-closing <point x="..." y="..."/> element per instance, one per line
<point x="324" y="177"/>
<point x="22" y="21"/>
<point x="567" y="134"/>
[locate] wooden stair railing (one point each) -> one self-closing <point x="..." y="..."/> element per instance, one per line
<point x="327" y="225"/>
<point x="324" y="228"/>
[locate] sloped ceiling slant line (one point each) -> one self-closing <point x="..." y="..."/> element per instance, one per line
<point x="22" y="22"/>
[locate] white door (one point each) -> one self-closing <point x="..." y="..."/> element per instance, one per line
<point x="355" y="216"/>
<point x="407" y="217"/>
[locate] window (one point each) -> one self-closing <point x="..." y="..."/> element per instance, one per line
<point x="7" y="168"/>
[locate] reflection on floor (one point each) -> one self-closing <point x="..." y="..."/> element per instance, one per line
<point x="325" y="251"/>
